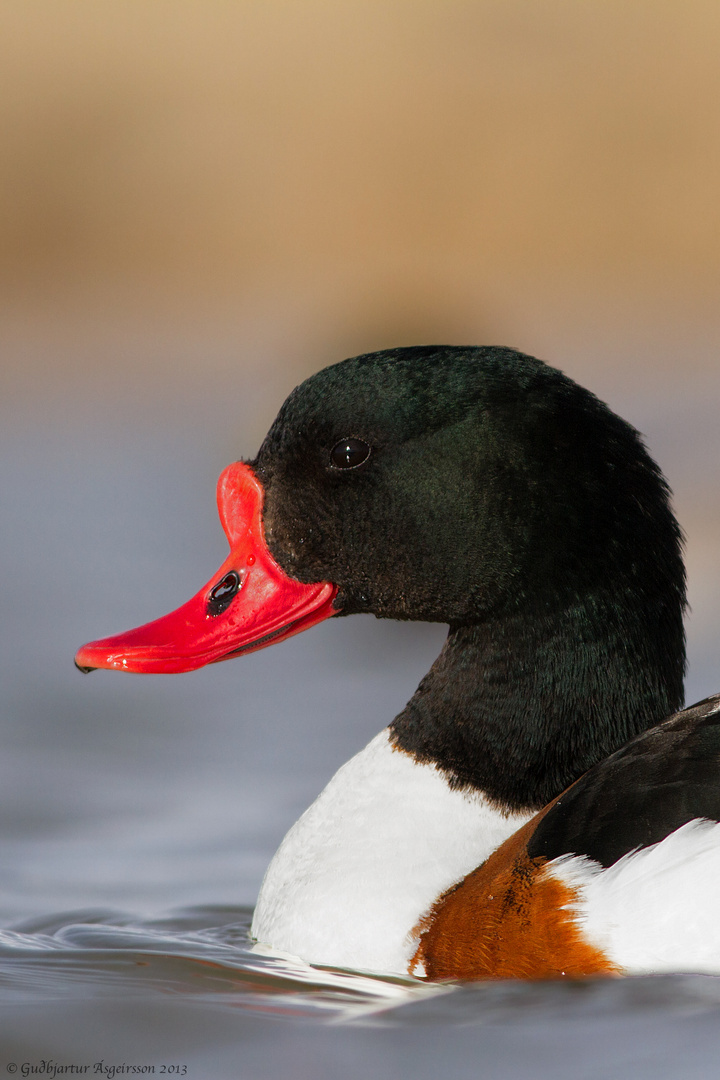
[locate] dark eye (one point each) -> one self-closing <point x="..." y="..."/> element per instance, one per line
<point x="349" y="453"/>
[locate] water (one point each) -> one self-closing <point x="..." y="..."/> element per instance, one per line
<point x="138" y="814"/>
<point x="187" y="989"/>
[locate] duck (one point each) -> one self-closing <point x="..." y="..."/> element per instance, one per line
<point x="543" y="807"/>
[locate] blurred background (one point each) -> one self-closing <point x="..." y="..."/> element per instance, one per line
<point x="201" y="203"/>
<point x="185" y="186"/>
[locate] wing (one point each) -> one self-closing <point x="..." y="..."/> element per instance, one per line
<point x="662" y="779"/>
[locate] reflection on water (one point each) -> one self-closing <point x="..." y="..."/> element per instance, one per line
<point x="204" y="953"/>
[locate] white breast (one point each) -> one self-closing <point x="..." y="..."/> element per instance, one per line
<point x="361" y="866"/>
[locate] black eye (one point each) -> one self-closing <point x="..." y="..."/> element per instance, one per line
<point x="349" y="453"/>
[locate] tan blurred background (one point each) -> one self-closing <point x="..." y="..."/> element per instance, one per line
<point x="362" y="172"/>
<point x="216" y="198"/>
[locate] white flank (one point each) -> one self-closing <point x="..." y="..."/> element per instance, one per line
<point x="655" y="910"/>
<point x="354" y="875"/>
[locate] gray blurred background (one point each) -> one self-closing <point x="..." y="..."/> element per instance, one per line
<point x="201" y="203"/>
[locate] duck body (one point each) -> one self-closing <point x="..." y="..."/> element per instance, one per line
<point x="359" y="869"/>
<point x="393" y="870"/>
<point x="483" y="489"/>
<point x="619" y="875"/>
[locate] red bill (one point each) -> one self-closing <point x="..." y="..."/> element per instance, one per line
<point x="248" y="604"/>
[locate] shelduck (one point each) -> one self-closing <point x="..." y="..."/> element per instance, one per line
<point x="531" y="812"/>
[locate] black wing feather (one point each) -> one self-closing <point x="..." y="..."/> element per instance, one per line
<point x="662" y="779"/>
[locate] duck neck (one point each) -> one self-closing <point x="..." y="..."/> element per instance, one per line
<point x="519" y="707"/>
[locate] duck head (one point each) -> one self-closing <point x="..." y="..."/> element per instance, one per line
<point x="477" y="487"/>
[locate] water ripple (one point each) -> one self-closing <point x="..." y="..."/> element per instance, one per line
<point x="206" y="955"/>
